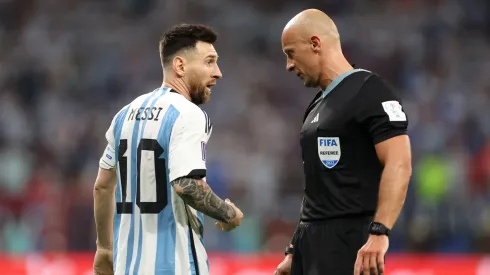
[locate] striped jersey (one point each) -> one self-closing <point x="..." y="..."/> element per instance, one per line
<point x="155" y="139"/>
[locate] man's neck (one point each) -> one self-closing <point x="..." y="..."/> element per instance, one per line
<point x="334" y="67"/>
<point x="178" y="85"/>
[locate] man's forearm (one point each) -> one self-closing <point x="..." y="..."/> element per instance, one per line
<point x="293" y="239"/>
<point x="104" y="201"/>
<point x="392" y="193"/>
<point x="198" y="194"/>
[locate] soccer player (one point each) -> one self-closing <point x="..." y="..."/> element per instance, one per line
<point x="150" y="222"/>
<point x="356" y="155"/>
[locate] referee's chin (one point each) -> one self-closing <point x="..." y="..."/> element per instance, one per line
<point x="310" y="84"/>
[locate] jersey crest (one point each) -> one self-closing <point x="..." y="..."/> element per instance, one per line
<point x="329" y="151"/>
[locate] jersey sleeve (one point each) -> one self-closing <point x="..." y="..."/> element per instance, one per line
<point x="187" y="148"/>
<point x="379" y="110"/>
<point x="108" y="158"/>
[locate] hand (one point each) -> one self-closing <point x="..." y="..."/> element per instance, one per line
<point x="371" y="257"/>
<point x="225" y="227"/>
<point x="103" y="262"/>
<point x="284" y="268"/>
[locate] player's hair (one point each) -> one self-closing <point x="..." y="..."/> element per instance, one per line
<point x="184" y="36"/>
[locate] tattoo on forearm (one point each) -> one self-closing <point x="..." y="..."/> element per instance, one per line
<point x="198" y="194"/>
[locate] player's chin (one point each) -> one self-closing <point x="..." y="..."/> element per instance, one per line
<point x="207" y="91"/>
<point x="203" y="97"/>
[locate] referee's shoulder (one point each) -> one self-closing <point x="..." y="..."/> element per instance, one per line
<point x="374" y="80"/>
<point x="375" y="84"/>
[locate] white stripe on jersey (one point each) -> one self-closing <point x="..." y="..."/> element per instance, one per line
<point x="149" y="223"/>
<point x="136" y="211"/>
<point x="126" y="220"/>
<point x="202" y="256"/>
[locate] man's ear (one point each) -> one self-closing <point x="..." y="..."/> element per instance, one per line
<point x="316" y="44"/>
<point x="178" y="65"/>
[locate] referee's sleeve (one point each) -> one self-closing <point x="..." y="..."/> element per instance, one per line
<point x="187" y="155"/>
<point x="380" y="111"/>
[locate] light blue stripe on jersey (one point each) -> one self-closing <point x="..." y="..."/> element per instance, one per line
<point x="117" y="218"/>
<point x="133" y="172"/>
<point x="157" y="95"/>
<point x="200" y="215"/>
<point x="166" y="221"/>
<point x="189" y="250"/>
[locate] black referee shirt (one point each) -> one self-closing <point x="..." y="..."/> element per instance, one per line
<point x="340" y="128"/>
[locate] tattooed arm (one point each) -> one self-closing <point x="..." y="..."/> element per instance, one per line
<point x="198" y="194"/>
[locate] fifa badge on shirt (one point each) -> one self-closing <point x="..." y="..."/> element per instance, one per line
<point x="329" y="151"/>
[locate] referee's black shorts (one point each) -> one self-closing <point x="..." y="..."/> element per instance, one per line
<point x="329" y="247"/>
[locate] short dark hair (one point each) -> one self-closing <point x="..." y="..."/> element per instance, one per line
<point x="184" y="36"/>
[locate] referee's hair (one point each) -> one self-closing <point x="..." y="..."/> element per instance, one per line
<point x="183" y="36"/>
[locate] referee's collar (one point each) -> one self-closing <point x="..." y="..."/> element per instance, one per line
<point x="339" y="79"/>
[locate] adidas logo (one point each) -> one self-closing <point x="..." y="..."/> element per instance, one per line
<point x="315" y="119"/>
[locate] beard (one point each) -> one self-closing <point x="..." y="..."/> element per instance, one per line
<point x="200" y="96"/>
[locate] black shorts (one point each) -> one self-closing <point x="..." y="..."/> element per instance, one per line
<point x="329" y="247"/>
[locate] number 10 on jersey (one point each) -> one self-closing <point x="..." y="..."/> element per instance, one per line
<point x="158" y="185"/>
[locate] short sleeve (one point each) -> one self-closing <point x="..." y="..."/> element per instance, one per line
<point x="187" y="154"/>
<point x="108" y="158"/>
<point x="380" y="111"/>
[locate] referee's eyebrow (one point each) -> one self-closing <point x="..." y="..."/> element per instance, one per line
<point x="288" y="51"/>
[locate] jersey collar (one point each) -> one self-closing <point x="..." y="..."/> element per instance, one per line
<point x="339" y="79"/>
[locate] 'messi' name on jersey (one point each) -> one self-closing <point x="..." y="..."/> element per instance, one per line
<point x="148" y="113"/>
<point x="329" y="151"/>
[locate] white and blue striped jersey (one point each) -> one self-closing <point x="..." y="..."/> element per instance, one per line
<point x="155" y="139"/>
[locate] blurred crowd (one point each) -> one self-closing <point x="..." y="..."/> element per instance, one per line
<point x="66" y="67"/>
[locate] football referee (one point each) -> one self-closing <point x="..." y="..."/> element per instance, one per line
<point x="356" y="157"/>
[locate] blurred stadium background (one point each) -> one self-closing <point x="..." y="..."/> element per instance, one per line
<point x="67" y="66"/>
